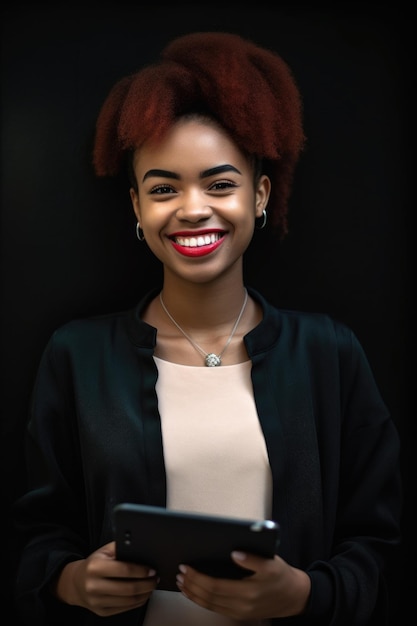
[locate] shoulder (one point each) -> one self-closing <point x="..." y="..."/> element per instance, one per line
<point x="86" y="329"/>
<point x="316" y="327"/>
<point x="306" y="327"/>
<point x="113" y="327"/>
<point x="310" y="339"/>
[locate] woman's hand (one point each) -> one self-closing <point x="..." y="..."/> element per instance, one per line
<point x="274" y="590"/>
<point x="105" y="585"/>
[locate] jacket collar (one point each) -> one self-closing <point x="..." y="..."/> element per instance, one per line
<point x="258" y="340"/>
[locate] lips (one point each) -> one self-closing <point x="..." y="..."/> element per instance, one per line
<point x="197" y="244"/>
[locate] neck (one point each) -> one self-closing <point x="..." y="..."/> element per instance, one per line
<point x="211" y="359"/>
<point x="197" y="306"/>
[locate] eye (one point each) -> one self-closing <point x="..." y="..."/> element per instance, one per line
<point x="162" y="189"/>
<point x="222" y="185"/>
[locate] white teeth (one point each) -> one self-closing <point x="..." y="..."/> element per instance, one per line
<point x="194" y="242"/>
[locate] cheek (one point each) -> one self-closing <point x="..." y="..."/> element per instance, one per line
<point x="246" y="212"/>
<point x="244" y="224"/>
<point x="153" y="221"/>
<point x="242" y="204"/>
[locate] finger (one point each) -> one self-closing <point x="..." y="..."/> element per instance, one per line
<point x="252" y="562"/>
<point x="123" y="569"/>
<point x="125" y="587"/>
<point x="210" y="593"/>
<point x="245" y="560"/>
<point x="195" y="584"/>
<point x="108" y="550"/>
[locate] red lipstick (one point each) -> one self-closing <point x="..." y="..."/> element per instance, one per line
<point x="200" y="250"/>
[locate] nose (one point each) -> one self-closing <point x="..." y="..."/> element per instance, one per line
<point x="193" y="209"/>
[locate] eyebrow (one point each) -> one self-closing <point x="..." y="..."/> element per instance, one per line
<point x="219" y="169"/>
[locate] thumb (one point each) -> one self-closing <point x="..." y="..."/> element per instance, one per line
<point x="108" y="550"/>
<point x="245" y="560"/>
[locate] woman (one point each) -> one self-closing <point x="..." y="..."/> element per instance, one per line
<point x="205" y="397"/>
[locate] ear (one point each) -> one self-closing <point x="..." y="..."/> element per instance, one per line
<point x="135" y="202"/>
<point x="262" y="194"/>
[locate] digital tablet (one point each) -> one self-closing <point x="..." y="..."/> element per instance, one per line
<point x="163" y="539"/>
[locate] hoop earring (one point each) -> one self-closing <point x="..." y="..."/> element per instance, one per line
<point x="263" y="218"/>
<point x="139" y="232"/>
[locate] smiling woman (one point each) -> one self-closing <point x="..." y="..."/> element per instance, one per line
<point x="203" y="193"/>
<point x="204" y="396"/>
<point x="227" y="79"/>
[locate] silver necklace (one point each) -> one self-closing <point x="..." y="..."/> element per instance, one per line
<point x="210" y="359"/>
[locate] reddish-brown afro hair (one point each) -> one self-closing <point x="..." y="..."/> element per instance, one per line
<point x="248" y="89"/>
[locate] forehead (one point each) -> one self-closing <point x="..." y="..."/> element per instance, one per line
<point x="190" y="144"/>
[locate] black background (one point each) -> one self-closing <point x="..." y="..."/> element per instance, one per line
<point x="68" y="244"/>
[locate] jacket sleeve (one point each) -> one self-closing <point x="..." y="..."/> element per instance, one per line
<point x="71" y="442"/>
<point x="49" y="516"/>
<point x="351" y="586"/>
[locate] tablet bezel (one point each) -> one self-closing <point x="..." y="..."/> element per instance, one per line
<point x="163" y="539"/>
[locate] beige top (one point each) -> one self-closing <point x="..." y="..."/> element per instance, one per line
<point x="216" y="462"/>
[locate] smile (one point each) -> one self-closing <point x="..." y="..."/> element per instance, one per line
<point x="198" y="245"/>
<point x="195" y="242"/>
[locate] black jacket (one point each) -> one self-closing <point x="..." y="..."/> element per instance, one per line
<point x="94" y="440"/>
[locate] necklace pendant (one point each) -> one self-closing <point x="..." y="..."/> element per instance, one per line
<point x="213" y="360"/>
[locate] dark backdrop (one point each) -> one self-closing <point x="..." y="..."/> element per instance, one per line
<point x="68" y="245"/>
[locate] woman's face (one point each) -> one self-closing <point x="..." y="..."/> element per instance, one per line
<point x="196" y="200"/>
